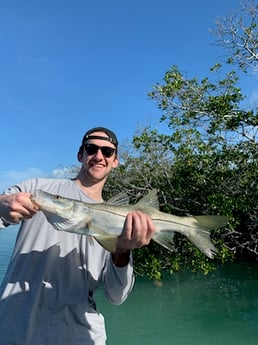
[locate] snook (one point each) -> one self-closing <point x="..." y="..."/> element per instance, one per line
<point x="104" y="221"/>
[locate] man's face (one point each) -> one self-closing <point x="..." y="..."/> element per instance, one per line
<point x="99" y="158"/>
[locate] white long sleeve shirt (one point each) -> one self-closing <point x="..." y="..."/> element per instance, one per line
<point x="46" y="295"/>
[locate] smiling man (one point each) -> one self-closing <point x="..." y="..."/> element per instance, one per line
<point x="48" y="291"/>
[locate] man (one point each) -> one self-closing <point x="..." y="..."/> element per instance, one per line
<point x="47" y="294"/>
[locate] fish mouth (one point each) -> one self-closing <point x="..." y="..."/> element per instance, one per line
<point x="34" y="202"/>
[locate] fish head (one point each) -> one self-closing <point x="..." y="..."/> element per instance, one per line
<point x="53" y="203"/>
<point x="62" y="213"/>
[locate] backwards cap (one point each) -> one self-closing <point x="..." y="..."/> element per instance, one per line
<point x="111" y="137"/>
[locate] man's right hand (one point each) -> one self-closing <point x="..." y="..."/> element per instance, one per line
<point x="16" y="207"/>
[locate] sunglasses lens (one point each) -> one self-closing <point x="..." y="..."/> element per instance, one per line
<point x="92" y="149"/>
<point x="107" y="151"/>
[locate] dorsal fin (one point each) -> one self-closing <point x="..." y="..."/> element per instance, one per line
<point x="150" y="200"/>
<point x="119" y="199"/>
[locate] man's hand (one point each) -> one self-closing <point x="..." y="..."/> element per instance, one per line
<point x="137" y="232"/>
<point x="16" y="207"/>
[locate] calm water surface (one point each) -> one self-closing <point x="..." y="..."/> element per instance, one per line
<point x="188" y="309"/>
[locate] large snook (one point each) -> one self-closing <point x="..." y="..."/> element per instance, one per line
<point x="104" y="221"/>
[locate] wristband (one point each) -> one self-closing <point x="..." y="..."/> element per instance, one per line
<point x="7" y="222"/>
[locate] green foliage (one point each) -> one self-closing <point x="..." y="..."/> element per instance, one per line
<point x="206" y="163"/>
<point x="153" y="261"/>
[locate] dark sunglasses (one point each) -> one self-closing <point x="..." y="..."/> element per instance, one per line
<point x="92" y="149"/>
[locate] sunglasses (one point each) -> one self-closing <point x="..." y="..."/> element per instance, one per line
<point x="92" y="149"/>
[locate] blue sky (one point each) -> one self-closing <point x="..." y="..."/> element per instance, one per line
<point x="69" y="65"/>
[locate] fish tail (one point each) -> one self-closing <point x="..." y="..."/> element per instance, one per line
<point x="201" y="236"/>
<point x="198" y="234"/>
<point x="201" y="239"/>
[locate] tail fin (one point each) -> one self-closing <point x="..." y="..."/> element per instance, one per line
<point x="198" y="233"/>
<point x="201" y="236"/>
<point x="201" y="239"/>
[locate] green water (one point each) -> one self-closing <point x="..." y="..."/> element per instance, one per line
<point x="218" y="309"/>
<point x="188" y="309"/>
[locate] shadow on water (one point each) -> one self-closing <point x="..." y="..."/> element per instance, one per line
<point x="188" y="309"/>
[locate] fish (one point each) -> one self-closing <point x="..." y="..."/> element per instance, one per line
<point x="104" y="221"/>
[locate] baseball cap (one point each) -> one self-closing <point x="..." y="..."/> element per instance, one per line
<point x="111" y="137"/>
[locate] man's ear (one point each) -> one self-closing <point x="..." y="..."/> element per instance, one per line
<point x="115" y="162"/>
<point x="80" y="157"/>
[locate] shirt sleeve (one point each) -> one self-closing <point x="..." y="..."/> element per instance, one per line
<point x="118" y="281"/>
